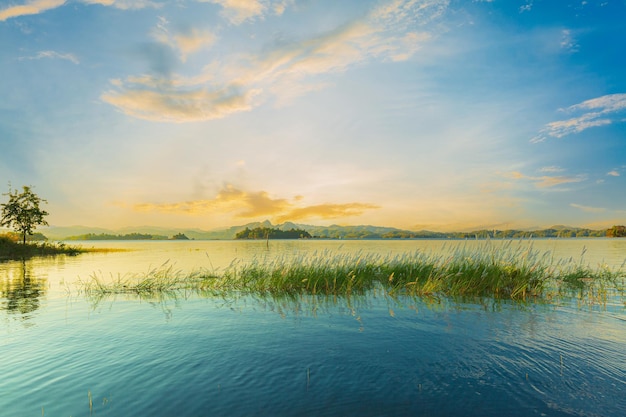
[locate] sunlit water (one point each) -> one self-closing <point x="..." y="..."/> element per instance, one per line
<point x="63" y="354"/>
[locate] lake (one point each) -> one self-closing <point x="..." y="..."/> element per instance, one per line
<point x="63" y="353"/>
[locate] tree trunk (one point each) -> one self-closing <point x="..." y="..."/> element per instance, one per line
<point x="24" y="238"/>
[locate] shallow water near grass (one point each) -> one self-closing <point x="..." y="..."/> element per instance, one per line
<point x="191" y="354"/>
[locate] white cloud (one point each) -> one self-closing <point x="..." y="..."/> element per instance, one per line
<point x="567" y="41"/>
<point x="29" y="8"/>
<point x="52" y="55"/>
<point x="596" y="112"/>
<point x="526" y="8"/>
<point x="613" y="173"/>
<point x="124" y="4"/>
<point x="279" y="73"/>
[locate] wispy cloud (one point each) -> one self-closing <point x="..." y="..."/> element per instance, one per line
<point x="613" y="173"/>
<point x="588" y="209"/>
<point x="29" y="8"/>
<point x="185" y="42"/>
<point x="568" y="42"/>
<point x="52" y="55"/>
<point x="599" y="111"/>
<point x="176" y="105"/>
<point x="246" y="204"/>
<point x="39" y="6"/>
<point x="387" y="33"/>
<point x="526" y="7"/>
<point x="547" y="181"/>
<point x="551" y="169"/>
<point x="239" y="11"/>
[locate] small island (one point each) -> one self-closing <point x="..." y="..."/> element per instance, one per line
<point x="179" y="236"/>
<point x="270" y="233"/>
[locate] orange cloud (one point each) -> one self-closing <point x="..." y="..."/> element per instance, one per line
<point x="326" y="211"/>
<point x="30" y="8"/>
<point x="245" y="204"/>
<point x="547" y="181"/>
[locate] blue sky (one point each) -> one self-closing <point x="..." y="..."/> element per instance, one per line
<point x="418" y="114"/>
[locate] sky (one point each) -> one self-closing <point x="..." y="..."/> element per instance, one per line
<point x="436" y="115"/>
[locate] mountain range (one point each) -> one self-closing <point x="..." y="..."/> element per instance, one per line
<point x="329" y="232"/>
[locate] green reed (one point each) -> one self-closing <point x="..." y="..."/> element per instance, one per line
<point x="156" y="281"/>
<point x="501" y="271"/>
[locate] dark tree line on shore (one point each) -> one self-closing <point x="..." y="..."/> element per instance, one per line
<point x="269" y="233"/>
<point x="616" y="231"/>
<point x="364" y="233"/>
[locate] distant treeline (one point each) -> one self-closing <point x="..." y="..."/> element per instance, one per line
<point x="544" y="233"/>
<point x="269" y="233"/>
<point x="482" y="234"/>
<point x="105" y="236"/>
<point x="363" y="233"/>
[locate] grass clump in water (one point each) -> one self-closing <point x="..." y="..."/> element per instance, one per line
<point x="512" y="272"/>
<point x="507" y="271"/>
<point x="157" y="281"/>
<point x="490" y="271"/>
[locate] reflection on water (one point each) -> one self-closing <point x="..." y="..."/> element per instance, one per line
<point x="20" y="290"/>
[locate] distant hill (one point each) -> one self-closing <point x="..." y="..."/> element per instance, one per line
<point x="323" y="232"/>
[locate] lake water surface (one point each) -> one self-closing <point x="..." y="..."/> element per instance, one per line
<point x="65" y="354"/>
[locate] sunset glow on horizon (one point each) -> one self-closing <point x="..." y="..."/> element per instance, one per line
<point x="418" y="114"/>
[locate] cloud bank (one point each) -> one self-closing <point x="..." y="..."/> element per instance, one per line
<point x="244" y="81"/>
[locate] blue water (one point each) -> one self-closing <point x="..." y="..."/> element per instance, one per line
<point x="235" y="355"/>
<point x="246" y="356"/>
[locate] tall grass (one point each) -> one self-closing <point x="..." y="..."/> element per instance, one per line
<point x="501" y="271"/>
<point x="159" y="280"/>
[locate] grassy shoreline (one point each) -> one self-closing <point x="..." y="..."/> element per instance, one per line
<point x="509" y="272"/>
<point x="11" y="250"/>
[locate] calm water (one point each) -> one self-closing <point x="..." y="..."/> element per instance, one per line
<point x="62" y="354"/>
